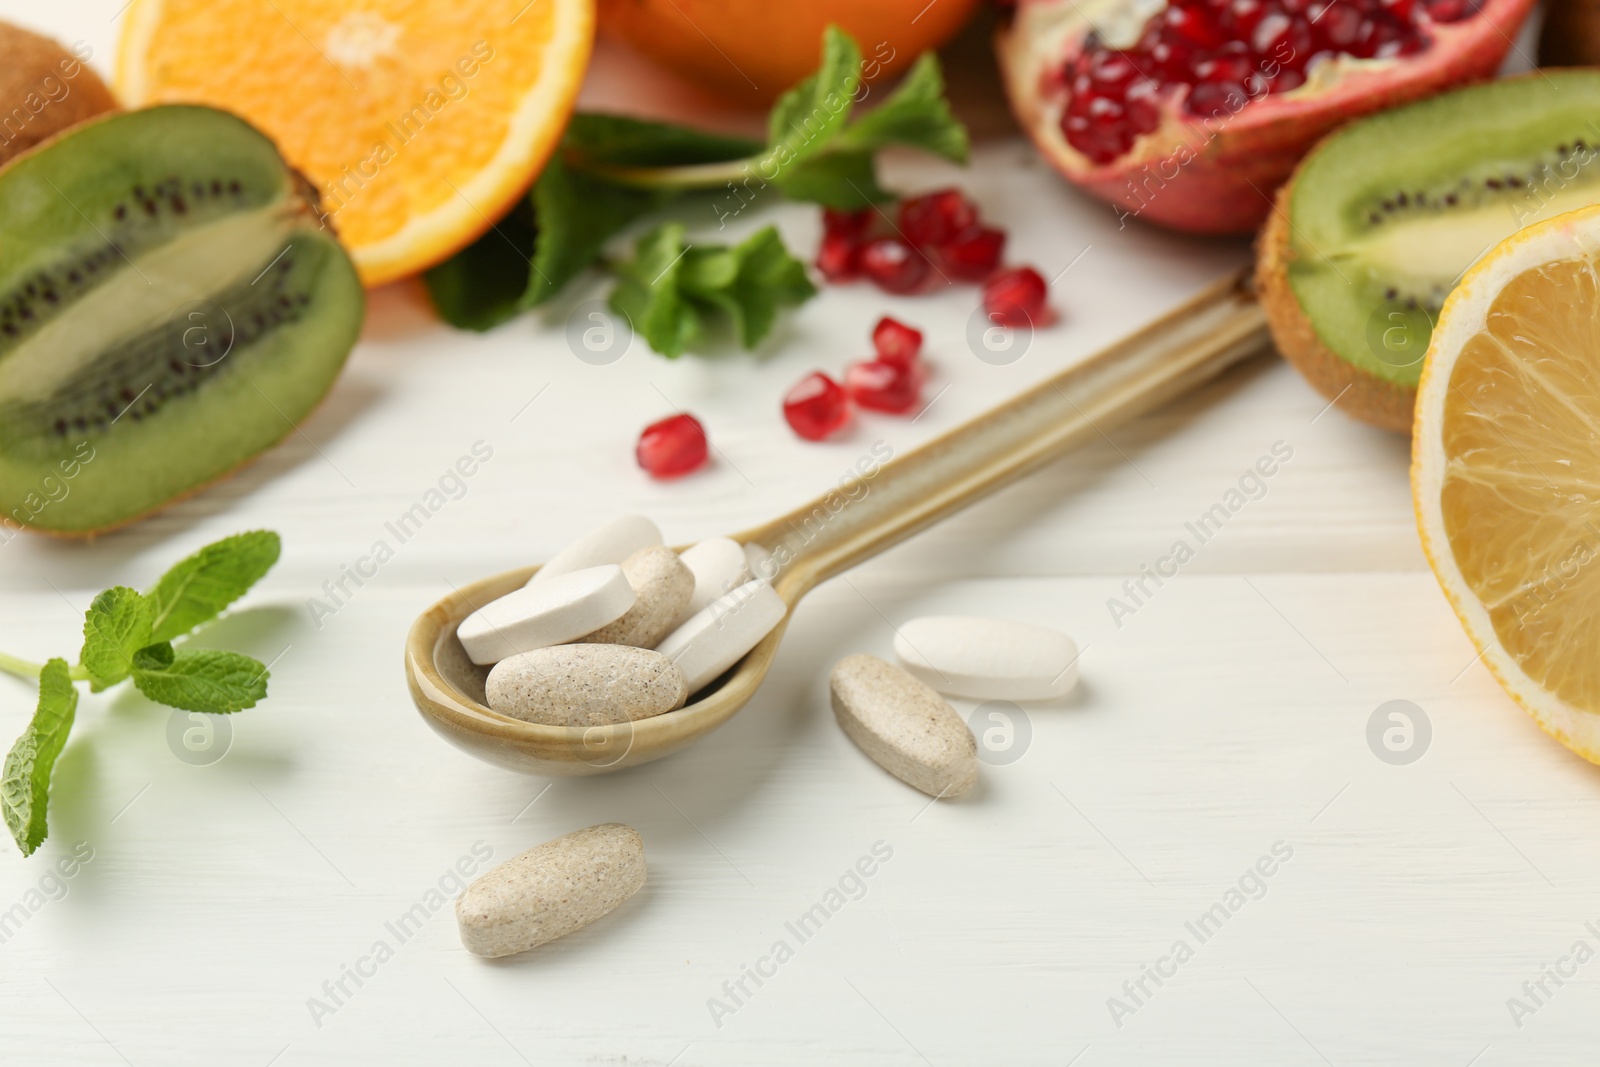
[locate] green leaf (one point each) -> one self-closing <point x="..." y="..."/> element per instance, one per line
<point x="200" y="587"/>
<point x="769" y="278"/>
<point x="648" y="293"/>
<point x="25" y="785"/>
<point x="618" y="140"/>
<point x="847" y="181"/>
<point x="578" y="214"/>
<point x="116" y="626"/>
<point x="199" y="679"/>
<point x="482" y="285"/>
<point x="916" y="114"/>
<point x="809" y="116"/>
<point x="578" y="210"/>
<point x="670" y="289"/>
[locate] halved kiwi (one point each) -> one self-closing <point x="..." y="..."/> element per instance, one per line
<point x="1382" y="218"/>
<point x="171" y="304"/>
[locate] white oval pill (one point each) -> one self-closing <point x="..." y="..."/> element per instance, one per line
<point x="724" y="630"/>
<point x="662" y="586"/>
<point x="988" y="659"/>
<point x="551" y="890"/>
<point x="611" y="543"/>
<point x="905" y="726"/>
<point x="562" y="609"/>
<point x="719" y="566"/>
<point x="760" y="561"/>
<point x="585" y="685"/>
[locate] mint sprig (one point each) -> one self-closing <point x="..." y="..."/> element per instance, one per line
<point x="129" y="634"/>
<point x="670" y="290"/>
<point x="612" y="171"/>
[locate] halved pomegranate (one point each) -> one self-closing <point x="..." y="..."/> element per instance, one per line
<point x="1191" y="113"/>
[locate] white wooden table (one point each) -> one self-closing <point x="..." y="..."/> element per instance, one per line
<point x="227" y="902"/>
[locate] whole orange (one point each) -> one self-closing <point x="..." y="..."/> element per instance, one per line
<point x="755" y="49"/>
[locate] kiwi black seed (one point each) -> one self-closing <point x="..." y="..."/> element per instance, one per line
<point x="171" y="305"/>
<point x="1382" y="218"/>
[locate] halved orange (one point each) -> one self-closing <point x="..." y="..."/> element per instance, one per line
<point x="1505" y="469"/>
<point x="420" y="123"/>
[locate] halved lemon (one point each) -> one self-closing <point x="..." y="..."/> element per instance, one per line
<point x="419" y="123"/>
<point x="1505" y="470"/>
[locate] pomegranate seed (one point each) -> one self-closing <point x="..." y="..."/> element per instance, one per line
<point x="672" y="447"/>
<point x="1015" y="297"/>
<point x="1192" y="27"/>
<point x="896" y="342"/>
<point x="838" y="257"/>
<point x="1287" y="80"/>
<point x="1215" y="98"/>
<point x="1144" y="106"/>
<point x="816" y="407"/>
<point x="1246" y="15"/>
<point x="892" y="264"/>
<point x="846" y="223"/>
<point x="974" y="254"/>
<point x="882" y="386"/>
<point x="934" y="218"/>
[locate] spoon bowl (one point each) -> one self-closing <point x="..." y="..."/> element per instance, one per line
<point x="447" y="688"/>
<point x="885" y="504"/>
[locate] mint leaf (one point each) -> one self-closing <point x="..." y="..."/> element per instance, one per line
<point x="200" y="587"/>
<point x="581" y="215"/>
<point x="769" y="278"/>
<point x="649" y="295"/>
<point x="597" y="139"/>
<point x="25" y="785"/>
<point x="116" y="626"/>
<point x="670" y="289"/>
<point x="809" y="116"/>
<point x="199" y="679"/>
<point x="847" y="181"/>
<point x="482" y="285"/>
<point x="916" y="114"/>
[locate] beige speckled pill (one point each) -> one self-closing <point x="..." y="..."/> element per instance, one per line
<point x="662" y="586"/>
<point x="904" y="725"/>
<point x="551" y="890"/>
<point x="586" y="685"/>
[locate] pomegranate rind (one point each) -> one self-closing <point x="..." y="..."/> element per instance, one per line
<point x="1218" y="176"/>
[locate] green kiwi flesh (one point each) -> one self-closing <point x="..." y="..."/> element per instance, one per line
<point x="171" y="305"/>
<point x="1388" y="212"/>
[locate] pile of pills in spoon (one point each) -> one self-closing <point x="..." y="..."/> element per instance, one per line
<point x="617" y="627"/>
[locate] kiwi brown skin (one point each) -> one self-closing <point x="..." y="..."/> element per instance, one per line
<point x="44" y="89"/>
<point x="1362" y="395"/>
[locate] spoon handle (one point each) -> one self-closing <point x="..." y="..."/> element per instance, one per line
<point x="1217" y="328"/>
